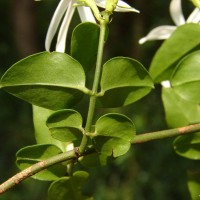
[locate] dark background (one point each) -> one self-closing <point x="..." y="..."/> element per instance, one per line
<point x="150" y="171"/>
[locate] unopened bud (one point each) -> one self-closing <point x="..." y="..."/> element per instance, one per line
<point x="196" y="3"/>
<point x="111" y="5"/>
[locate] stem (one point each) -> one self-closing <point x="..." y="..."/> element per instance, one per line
<point x="93" y="97"/>
<point x="146" y="137"/>
<point x="75" y="154"/>
<point x="37" y="168"/>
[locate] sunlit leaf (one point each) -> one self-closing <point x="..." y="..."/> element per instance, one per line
<point x="65" y="125"/>
<point x="178" y="111"/>
<point x="186" y="78"/>
<point x="84" y="44"/>
<point x="30" y="155"/>
<point x="50" y="80"/>
<point x="123" y="82"/>
<point x="69" y="188"/>
<point x="184" y="40"/>
<point x="188" y="146"/>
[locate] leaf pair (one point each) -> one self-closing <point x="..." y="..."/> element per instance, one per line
<point x="175" y="62"/>
<point x="178" y="60"/>
<point x="57" y="80"/>
<point x="182" y="103"/>
<point x="111" y="137"/>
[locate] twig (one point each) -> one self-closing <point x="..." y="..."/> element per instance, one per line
<point x="16" y="179"/>
<point x="74" y="154"/>
<point x="146" y="137"/>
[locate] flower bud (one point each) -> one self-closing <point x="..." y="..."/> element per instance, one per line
<point x="196" y="3"/>
<point x="111" y="5"/>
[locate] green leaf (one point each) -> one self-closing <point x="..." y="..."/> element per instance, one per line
<point x="194" y="184"/>
<point x="110" y="147"/>
<point x="30" y="155"/>
<point x="84" y="44"/>
<point x="50" y="80"/>
<point x="184" y="40"/>
<point x="115" y="125"/>
<point x="65" y="125"/>
<point x="69" y="188"/>
<point x="113" y="133"/>
<point x="186" y="78"/>
<point x="178" y="111"/>
<point x="123" y="82"/>
<point x="188" y="146"/>
<point x="42" y="133"/>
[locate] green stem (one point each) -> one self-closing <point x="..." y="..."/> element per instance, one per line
<point x="75" y="154"/>
<point x="93" y="98"/>
<point x="158" y="135"/>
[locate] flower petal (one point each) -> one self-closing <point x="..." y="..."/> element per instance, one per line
<point x="194" y="16"/>
<point x="124" y="7"/>
<point x="121" y="6"/>
<point x="86" y="14"/>
<point x="158" y="33"/>
<point x="62" y="35"/>
<point x="176" y="12"/>
<point x="59" y="12"/>
<point x="166" y="84"/>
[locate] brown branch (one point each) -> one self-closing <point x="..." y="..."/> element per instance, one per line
<point x="74" y="154"/>
<point x="16" y="179"/>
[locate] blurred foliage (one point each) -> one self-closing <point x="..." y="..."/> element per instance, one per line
<point x="150" y="171"/>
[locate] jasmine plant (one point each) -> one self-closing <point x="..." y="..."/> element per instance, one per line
<point x="54" y="83"/>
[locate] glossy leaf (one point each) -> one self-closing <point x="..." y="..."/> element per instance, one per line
<point x="30" y="155"/>
<point x="178" y="111"/>
<point x="65" y="125"/>
<point x="50" y="80"/>
<point x="188" y="146"/>
<point x="84" y="44"/>
<point x="68" y="188"/>
<point x="194" y="184"/>
<point x="113" y="133"/>
<point x="186" y="78"/>
<point x="123" y="82"/>
<point x="115" y="125"/>
<point x="184" y="40"/>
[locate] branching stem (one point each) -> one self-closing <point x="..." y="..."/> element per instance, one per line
<point x="75" y="154"/>
<point x="97" y="76"/>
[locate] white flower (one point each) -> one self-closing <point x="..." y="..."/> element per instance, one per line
<point x="66" y="8"/>
<point x="165" y="31"/>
